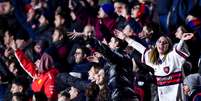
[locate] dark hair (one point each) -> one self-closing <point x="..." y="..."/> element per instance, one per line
<point x="92" y="92"/>
<point x="17" y="65"/>
<point x="121" y="44"/>
<point x="43" y="43"/>
<point x="40" y="96"/>
<point x="61" y="12"/>
<point x="19" y="96"/>
<point x="135" y="26"/>
<point x="96" y="66"/>
<point x="62" y="32"/>
<point x="22" y="34"/>
<point x="103" y="94"/>
<point x="10" y="32"/>
<point x="11" y="60"/>
<point x="183" y="29"/>
<point x="85" y="50"/>
<point x="21" y="81"/>
<point x="4" y="1"/>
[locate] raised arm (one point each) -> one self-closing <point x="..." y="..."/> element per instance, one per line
<point x="25" y="63"/>
<point x="181" y="47"/>
<point x="139" y="47"/>
<point x="113" y="56"/>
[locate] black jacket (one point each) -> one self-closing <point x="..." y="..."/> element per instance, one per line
<point x="120" y="75"/>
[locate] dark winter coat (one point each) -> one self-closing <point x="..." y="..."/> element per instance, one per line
<point x="120" y="77"/>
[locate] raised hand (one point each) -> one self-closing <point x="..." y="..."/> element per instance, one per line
<point x="104" y="41"/>
<point x="73" y="92"/>
<point x="93" y="59"/>
<point x="119" y="34"/>
<point x="187" y="36"/>
<point x="74" y="35"/>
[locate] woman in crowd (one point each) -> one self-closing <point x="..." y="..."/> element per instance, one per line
<point x="166" y="62"/>
<point x="43" y="73"/>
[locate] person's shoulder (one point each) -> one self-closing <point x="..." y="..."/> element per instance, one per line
<point x="52" y="72"/>
<point x="197" y="96"/>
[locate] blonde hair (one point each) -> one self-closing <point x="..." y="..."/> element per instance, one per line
<point x="154" y="55"/>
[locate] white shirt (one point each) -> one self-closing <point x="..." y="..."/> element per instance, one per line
<point x="169" y="72"/>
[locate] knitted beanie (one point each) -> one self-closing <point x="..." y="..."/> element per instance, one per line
<point x="108" y="8"/>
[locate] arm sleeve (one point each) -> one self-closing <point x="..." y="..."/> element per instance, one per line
<point x="50" y="89"/>
<point x="182" y="49"/>
<point x="139" y="47"/>
<point x="114" y="57"/>
<point x="67" y="79"/>
<point x="25" y="63"/>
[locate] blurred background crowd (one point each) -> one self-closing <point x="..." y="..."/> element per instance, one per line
<point x="100" y="50"/>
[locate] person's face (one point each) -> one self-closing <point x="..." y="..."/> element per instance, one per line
<point x="134" y="11"/>
<point x="186" y="90"/>
<point x="57" y="21"/>
<point x="16" y="89"/>
<point x="101" y="13"/>
<point x="145" y="32"/>
<point x="162" y="45"/>
<point x="113" y="43"/>
<point x="5" y="7"/>
<point x="79" y="56"/>
<point x="128" y="30"/>
<point x="37" y="49"/>
<point x="119" y="7"/>
<point x="179" y="33"/>
<point x="91" y="73"/>
<point x="55" y="36"/>
<point x="19" y="43"/>
<point x="88" y="31"/>
<point x="148" y="33"/>
<point x="13" y="69"/>
<point x="100" y="77"/>
<point x="42" y="19"/>
<point x="7" y="38"/>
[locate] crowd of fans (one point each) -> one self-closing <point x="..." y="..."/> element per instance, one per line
<point x="100" y="50"/>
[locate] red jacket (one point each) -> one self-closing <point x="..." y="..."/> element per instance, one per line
<point x="45" y="82"/>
